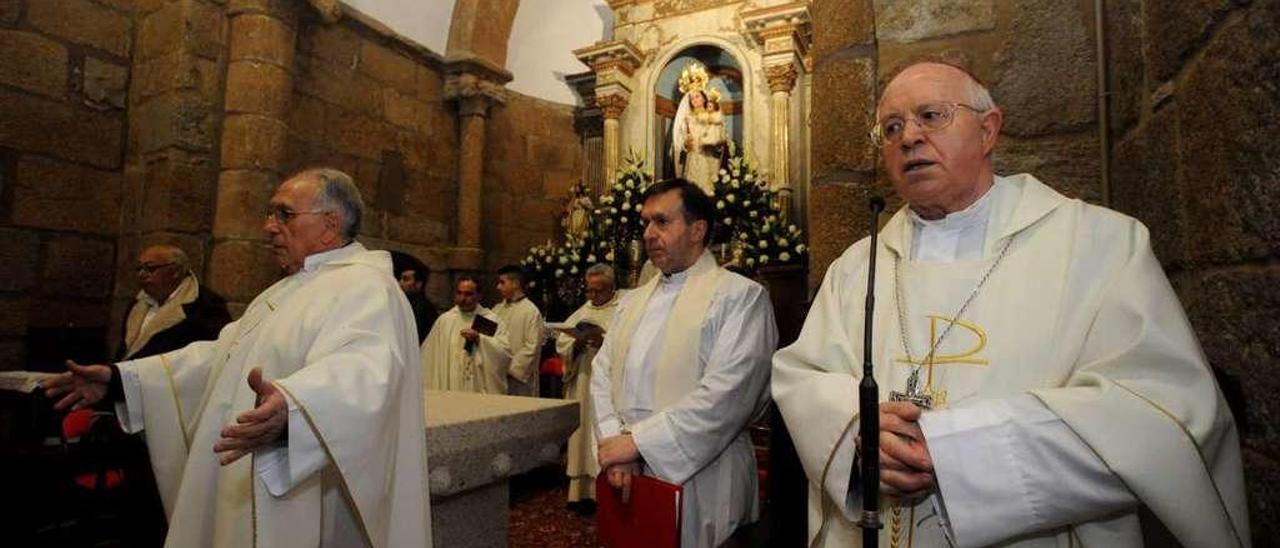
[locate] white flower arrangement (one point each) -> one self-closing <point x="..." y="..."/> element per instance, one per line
<point x="750" y="218"/>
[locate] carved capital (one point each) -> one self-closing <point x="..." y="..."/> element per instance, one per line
<point x="780" y="29"/>
<point x="781" y="77"/>
<point x="473" y="95"/>
<point x="613" y="60"/>
<point x="612" y="105"/>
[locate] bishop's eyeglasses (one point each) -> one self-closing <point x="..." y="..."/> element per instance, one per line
<point x="929" y="117"/>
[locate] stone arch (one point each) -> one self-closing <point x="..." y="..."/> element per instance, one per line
<point x="481" y="28"/>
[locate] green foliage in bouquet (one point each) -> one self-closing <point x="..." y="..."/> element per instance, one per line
<point x="749" y="221"/>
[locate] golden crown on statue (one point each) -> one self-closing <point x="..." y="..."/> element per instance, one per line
<point x="694" y="77"/>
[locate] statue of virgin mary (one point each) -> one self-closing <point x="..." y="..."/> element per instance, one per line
<point x="697" y="133"/>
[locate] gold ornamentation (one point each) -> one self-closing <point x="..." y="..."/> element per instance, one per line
<point x="962" y="357"/>
<point x="694" y="77"/>
<point x="781" y="77"/>
<point x="612" y="105"/>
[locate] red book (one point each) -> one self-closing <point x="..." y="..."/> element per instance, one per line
<point x="651" y="519"/>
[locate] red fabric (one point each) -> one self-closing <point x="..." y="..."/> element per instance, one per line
<point x="77" y="423"/>
<point x="552" y="366"/>
<point x="90" y="480"/>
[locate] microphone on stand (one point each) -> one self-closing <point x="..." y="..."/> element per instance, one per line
<point x="869" y="403"/>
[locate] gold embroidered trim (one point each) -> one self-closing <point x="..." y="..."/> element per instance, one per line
<point x="1199" y="453"/>
<point x="895" y="526"/>
<point x="177" y="402"/>
<point x="342" y="478"/>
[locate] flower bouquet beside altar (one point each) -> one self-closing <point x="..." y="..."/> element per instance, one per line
<point x="750" y="233"/>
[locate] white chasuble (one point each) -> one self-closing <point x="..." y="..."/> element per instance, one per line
<point x="1074" y="390"/>
<point x="685" y="368"/>
<point x="338" y="338"/>
<point x="524" y="333"/>
<point x="582" y="465"/>
<point x="449" y="363"/>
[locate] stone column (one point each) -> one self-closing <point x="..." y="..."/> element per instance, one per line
<point x="613" y="62"/>
<point x="612" y="105"/>
<point x="784" y="34"/>
<point x="475" y="86"/>
<point x="259" y="88"/>
<point x="781" y="78"/>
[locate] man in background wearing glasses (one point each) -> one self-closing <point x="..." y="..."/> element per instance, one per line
<point x="172" y="309"/>
<point x="1043" y="382"/>
<point x="317" y="383"/>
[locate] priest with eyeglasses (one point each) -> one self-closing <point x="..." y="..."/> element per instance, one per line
<point x="1040" y="384"/>
<point x="302" y="424"/>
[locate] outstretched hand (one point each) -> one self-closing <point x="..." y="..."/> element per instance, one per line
<point x="262" y="425"/>
<point x="83" y="385"/>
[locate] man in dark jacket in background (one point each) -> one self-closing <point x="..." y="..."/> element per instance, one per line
<point x="172" y="308"/>
<point x="413" y="275"/>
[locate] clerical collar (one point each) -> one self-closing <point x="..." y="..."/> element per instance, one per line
<point x="676" y="278"/>
<point x="316" y="260"/>
<point x="958" y="220"/>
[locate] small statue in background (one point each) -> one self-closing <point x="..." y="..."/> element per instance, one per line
<point x="577" y="213"/>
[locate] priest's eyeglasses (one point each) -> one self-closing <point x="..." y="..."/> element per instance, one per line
<point x="283" y="215"/>
<point x="149" y="269"/>
<point x="929" y="117"/>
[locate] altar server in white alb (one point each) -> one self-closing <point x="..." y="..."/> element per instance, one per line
<point x="602" y="303"/>
<point x="524" y="324"/>
<point x="1066" y="389"/>
<point x="457" y="357"/>
<point x="684" y="369"/>
<point x="317" y="384"/>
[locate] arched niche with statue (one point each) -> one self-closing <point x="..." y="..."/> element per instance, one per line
<point x="698" y="110"/>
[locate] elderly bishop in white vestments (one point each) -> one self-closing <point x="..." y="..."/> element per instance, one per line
<point x="457" y="357"/>
<point x="601" y="305"/>
<point x="1067" y="388"/>
<point x="317" y="383"/>
<point x="683" y="371"/>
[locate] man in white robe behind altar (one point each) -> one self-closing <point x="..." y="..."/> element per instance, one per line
<point x="525" y="334"/>
<point x="684" y="369"/>
<point x="602" y="303"/>
<point x="1061" y="388"/>
<point x="317" y="384"/>
<point x="459" y="358"/>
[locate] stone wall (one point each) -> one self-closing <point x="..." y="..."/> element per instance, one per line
<point x="63" y="80"/>
<point x="533" y="157"/>
<point x="170" y="172"/>
<point x="1193" y="96"/>
<point x="371" y="106"/>
<point x="125" y="123"/>
<point x="1037" y="56"/>
<point x="1196" y="92"/>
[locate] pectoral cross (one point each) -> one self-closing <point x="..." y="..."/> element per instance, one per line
<point x="922" y="399"/>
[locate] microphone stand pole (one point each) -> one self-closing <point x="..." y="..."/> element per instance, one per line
<point x="869" y="403"/>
